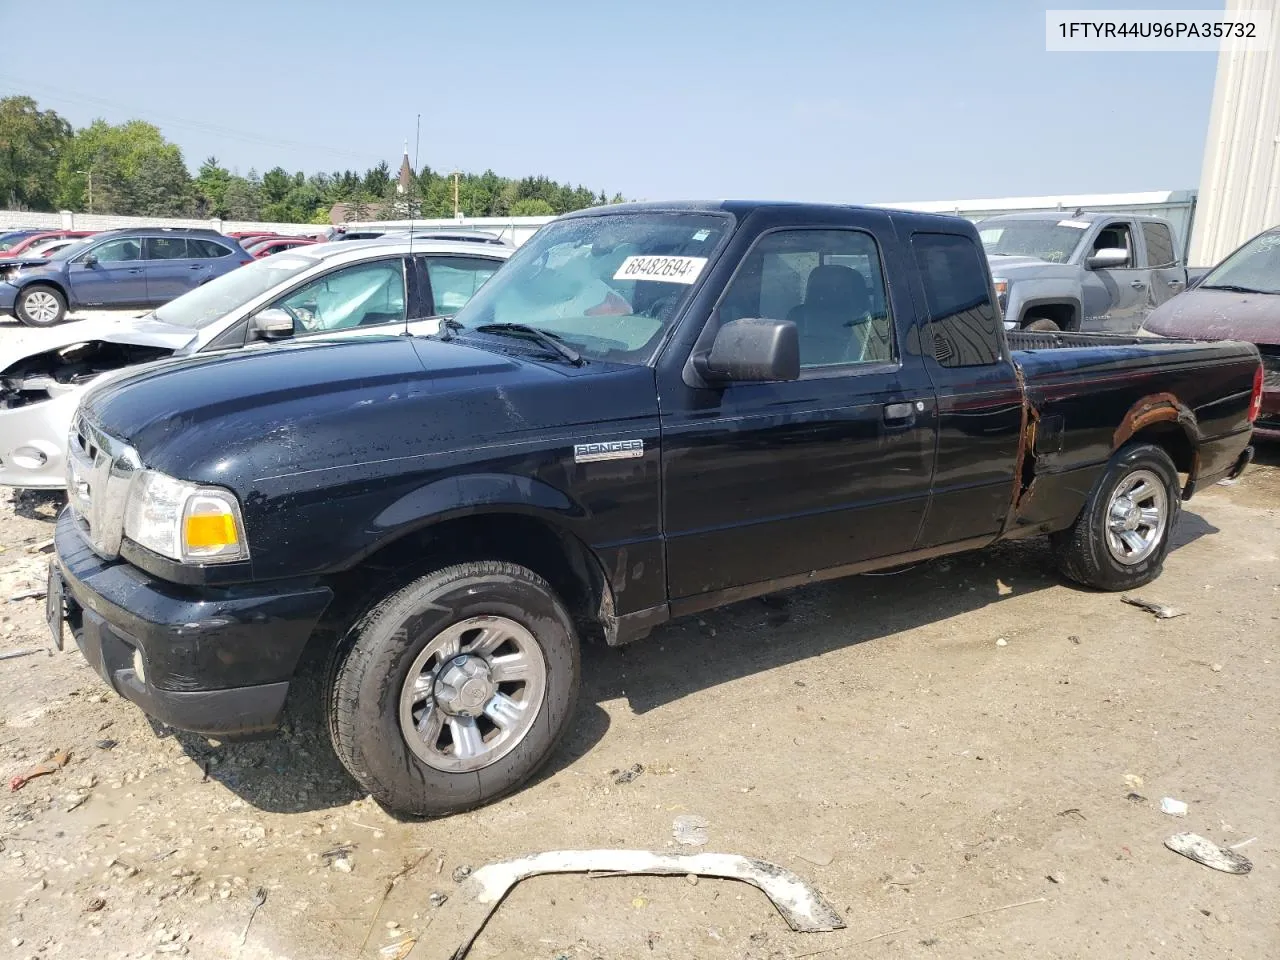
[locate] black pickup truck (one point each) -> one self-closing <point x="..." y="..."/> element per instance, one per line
<point x="651" y="410"/>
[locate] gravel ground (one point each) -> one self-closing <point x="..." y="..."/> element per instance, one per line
<point x="967" y="758"/>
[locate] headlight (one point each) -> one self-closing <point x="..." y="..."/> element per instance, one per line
<point x="1002" y="292"/>
<point x="184" y="522"/>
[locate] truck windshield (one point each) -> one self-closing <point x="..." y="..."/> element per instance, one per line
<point x="608" y="285"/>
<point x="1254" y="267"/>
<point x="1051" y="240"/>
<point x="215" y="299"/>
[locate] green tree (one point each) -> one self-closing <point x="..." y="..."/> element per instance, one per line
<point x="31" y="141"/>
<point x="117" y="155"/>
<point x="211" y="188"/>
<point x="532" y="207"/>
<point x="242" y="199"/>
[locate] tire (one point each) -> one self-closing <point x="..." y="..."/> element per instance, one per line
<point x="382" y="688"/>
<point x="40" y="305"/>
<point x="1097" y="550"/>
<point x="1042" y="325"/>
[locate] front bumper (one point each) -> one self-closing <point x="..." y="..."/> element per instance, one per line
<point x="215" y="660"/>
<point x="33" y="442"/>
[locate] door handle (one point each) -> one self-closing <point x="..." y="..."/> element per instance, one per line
<point x="195" y="266"/>
<point x="1176" y="283"/>
<point x="136" y="270"/>
<point x="902" y="413"/>
<point x="1137" y="284"/>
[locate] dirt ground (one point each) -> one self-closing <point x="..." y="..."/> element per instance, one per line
<point x="967" y="758"/>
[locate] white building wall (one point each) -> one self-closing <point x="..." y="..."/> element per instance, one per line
<point x="1240" y="179"/>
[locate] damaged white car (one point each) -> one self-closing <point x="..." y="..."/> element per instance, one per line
<point x="344" y="289"/>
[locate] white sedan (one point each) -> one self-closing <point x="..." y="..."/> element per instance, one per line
<point x="344" y="289"/>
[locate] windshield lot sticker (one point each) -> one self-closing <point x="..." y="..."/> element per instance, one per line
<point x="1078" y="224"/>
<point x="663" y="269"/>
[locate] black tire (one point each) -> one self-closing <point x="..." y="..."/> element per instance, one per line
<point x="373" y="664"/>
<point x="1082" y="551"/>
<point x="1042" y="325"/>
<point x="42" y="293"/>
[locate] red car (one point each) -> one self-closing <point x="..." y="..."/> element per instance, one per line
<point x="270" y="245"/>
<point x="25" y="244"/>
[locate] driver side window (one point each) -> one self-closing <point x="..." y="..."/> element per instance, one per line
<point x="1115" y="236"/>
<point x="829" y="283"/>
<point x="118" y="251"/>
<point x="362" y="295"/>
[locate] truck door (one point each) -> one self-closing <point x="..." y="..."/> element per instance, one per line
<point x="1116" y="298"/>
<point x="765" y="481"/>
<point x="979" y="395"/>
<point x="1168" y="274"/>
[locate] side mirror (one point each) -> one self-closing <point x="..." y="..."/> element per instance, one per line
<point x="90" y="260"/>
<point x="271" y="324"/>
<point x="1108" y="257"/>
<point x="754" y="350"/>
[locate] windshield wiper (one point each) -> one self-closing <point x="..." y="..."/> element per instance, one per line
<point x="1233" y="287"/>
<point x="548" y="340"/>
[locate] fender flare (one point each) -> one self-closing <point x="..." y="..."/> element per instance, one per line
<point x="1077" y="310"/>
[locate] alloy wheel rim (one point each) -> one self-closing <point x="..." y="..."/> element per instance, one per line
<point x="1137" y="515"/>
<point x="473" y="694"/>
<point x="41" y="307"/>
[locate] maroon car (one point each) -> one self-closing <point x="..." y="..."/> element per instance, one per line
<point x="26" y="243"/>
<point x="1239" y="299"/>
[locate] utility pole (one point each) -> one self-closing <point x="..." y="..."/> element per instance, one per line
<point x="456" y="214"/>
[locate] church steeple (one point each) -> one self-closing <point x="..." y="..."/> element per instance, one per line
<point x="406" y="172"/>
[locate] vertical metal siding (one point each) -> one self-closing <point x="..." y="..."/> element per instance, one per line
<point x="1240" y="179"/>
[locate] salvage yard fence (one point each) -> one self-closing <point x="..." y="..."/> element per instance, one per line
<point x="1177" y="206"/>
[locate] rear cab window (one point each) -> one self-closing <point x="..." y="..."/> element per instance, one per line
<point x="963" y="321"/>
<point x="1159" y="242"/>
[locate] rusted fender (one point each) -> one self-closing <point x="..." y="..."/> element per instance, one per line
<point x="1153" y="408"/>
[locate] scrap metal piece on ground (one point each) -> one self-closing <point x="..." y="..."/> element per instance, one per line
<point x="1160" y="611"/>
<point x="55" y="763"/>
<point x="480" y="894"/>
<point x="1197" y="848"/>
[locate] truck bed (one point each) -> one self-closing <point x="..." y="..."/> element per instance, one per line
<point x="1075" y="383"/>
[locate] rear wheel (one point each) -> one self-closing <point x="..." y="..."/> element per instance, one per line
<point x="455" y="689"/>
<point x="1121" y="538"/>
<point x="40" y="306"/>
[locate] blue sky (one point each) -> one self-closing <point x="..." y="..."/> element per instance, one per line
<point x="842" y="101"/>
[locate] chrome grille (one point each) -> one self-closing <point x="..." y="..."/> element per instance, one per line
<point x="99" y="470"/>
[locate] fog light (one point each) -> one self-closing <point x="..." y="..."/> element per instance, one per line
<point x="139" y="667"/>
<point x="29" y="458"/>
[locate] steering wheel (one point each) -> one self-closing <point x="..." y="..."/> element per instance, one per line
<point x="655" y="310"/>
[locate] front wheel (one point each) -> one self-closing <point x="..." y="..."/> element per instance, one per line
<point x="1122" y="535"/>
<point x="40" y="306"/>
<point x="455" y="689"/>
<point x="1041" y="325"/>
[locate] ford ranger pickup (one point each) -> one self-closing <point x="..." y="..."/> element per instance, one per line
<point x="649" y="411"/>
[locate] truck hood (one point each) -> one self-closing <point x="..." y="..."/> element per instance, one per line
<point x="364" y="406"/>
<point x="1218" y="315"/>
<point x="1013" y="267"/>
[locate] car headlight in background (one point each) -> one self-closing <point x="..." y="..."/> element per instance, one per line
<point x="184" y="521"/>
<point x="1002" y="292"/>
